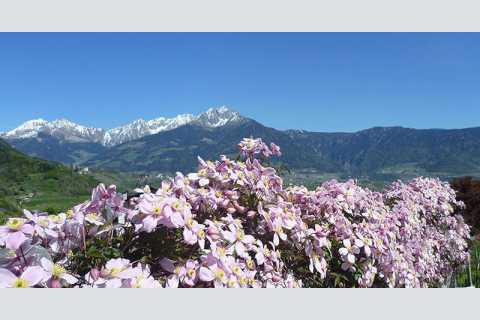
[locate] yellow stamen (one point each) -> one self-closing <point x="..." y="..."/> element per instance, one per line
<point x="92" y="216"/>
<point x="137" y="284"/>
<point x="178" y="270"/>
<point x="43" y="221"/>
<point x="58" y="271"/>
<point x="220" y="274"/>
<point x="190" y="223"/>
<point x="20" y="283"/>
<point x="243" y="281"/>
<point x="15" y="223"/>
<point x="11" y="253"/>
<point x="70" y="214"/>
<point x="221" y="251"/>
<point x="231" y="283"/>
<point x="157" y="211"/>
<point x="266" y="252"/>
<point x="115" y="272"/>
<point x="191" y="273"/>
<point x="55" y="219"/>
<point x="237" y="270"/>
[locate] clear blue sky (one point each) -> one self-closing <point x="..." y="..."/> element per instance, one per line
<point x="320" y="82"/>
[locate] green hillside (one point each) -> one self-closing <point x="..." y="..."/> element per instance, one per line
<point x="37" y="184"/>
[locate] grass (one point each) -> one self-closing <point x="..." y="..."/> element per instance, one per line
<point x="36" y="184"/>
<point x="462" y="279"/>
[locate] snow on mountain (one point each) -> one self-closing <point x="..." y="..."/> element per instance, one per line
<point x="141" y="128"/>
<point x="72" y="132"/>
<point x="27" y="130"/>
<point x="62" y="129"/>
<point x="217" y="117"/>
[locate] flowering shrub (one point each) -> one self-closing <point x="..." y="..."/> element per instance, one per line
<point x="232" y="224"/>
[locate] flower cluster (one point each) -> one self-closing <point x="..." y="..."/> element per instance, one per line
<point x="232" y="224"/>
<point x="251" y="148"/>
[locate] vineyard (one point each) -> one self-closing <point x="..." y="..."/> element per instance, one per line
<point x="233" y="224"/>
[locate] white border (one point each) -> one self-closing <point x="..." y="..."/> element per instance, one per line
<point x="239" y="15"/>
<point x="239" y="304"/>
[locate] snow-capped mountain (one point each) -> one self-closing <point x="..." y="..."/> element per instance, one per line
<point x="141" y="128"/>
<point x="72" y="132"/>
<point x="62" y="129"/>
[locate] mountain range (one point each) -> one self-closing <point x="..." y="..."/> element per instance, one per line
<point x="71" y="132"/>
<point x="170" y="145"/>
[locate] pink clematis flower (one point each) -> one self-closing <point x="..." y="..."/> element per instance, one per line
<point x="236" y="236"/>
<point x="143" y="279"/>
<point x="348" y="253"/>
<point x="55" y="272"/>
<point x="194" y="233"/>
<point x="112" y="275"/>
<point x="178" y="273"/>
<point x="278" y="232"/>
<point x="15" y="233"/>
<point x="31" y="277"/>
<point x="214" y="273"/>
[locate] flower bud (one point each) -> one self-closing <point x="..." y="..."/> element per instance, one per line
<point x="54" y="283"/>
<point x="95" y="274"/>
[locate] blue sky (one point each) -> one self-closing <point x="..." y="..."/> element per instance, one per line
<point x="313" y="81"/>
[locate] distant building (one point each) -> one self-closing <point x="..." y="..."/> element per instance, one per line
<point x="84" y="170"/>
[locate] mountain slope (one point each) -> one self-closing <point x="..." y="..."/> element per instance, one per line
<point x="177" y="150"/>
<point x="23" y="177"/>
<point x="45" y="146"/>
<point x="378" y="153"/>
<point x="399" y="151"/>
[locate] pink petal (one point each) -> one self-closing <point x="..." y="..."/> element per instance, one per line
<point x="15" y="240"/>
<point x="69" y="278"/>
<point x="240" y="249"/>
<point x="172" y="281"/>
<point x="177" y="220"/>
<point x="149" y="224"/>
<point x="189" y="236"/>
<point x="33" y="275"/>
<point x="206" y="275"/>
<point x="167" y="211"/>
<point x="203" y="182"/>
<point x="114" y="283"/>
<point x="6" y="278"/>
<point x="229" y="236"/>
<point x="249" y="239"/>
<point x="276" y="240"/>
<point x="28" y="229"/>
